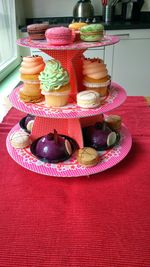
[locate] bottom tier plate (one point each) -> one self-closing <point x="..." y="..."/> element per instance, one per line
<point x="71" y="168"/>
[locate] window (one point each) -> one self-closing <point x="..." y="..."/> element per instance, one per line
<point x="8" y="48"/>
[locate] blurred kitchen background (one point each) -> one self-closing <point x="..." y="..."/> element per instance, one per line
<point x="54" y="8"/>
<point x="128" y="61"/>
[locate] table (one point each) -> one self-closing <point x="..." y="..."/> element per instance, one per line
<point x="101" y="220"/>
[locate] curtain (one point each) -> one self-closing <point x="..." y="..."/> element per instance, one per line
<point x="8" y="49"/>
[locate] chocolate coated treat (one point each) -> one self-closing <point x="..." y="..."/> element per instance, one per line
<point x="37" y="31"/>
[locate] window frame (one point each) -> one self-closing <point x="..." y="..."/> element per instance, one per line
<point x="9" y="65"/>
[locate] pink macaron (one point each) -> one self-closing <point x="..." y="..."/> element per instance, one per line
<point x="59" y="36"/>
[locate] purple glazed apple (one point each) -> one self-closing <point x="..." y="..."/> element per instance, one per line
<point x="29" y="121"/>
<point x="99" y="136"/>
<point x="53" y="147"/>
<point x="28" y="118"/>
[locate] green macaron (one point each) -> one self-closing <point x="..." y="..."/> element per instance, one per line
<point x="92" y="32"/>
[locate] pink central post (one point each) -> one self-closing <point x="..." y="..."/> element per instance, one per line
<point x="70" y="60"/>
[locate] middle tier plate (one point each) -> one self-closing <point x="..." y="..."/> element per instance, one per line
<point x="115" y="98"/>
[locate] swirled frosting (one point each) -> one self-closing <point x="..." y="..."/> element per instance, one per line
<point x="94" y="68"/>
<point x="32" y="65"/>
<point x="54" y="76"/>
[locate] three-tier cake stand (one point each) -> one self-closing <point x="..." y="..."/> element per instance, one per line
<point x="70" y="119"/>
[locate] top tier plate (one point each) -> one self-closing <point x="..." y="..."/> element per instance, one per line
<point x="42" y="44"/>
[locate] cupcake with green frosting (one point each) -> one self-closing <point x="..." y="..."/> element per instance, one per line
<point x="55" y="84"/>
<point x="92" y="32"/>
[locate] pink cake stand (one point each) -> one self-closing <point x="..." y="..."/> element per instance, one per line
<point x="115" y="98"/>
<point x="43" y="45"/>
<point x="71" y="168"/>
<point x="69" y="120"/>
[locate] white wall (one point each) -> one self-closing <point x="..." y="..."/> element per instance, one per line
<point x="56" y="8"/>
<point x="20" y="14"/>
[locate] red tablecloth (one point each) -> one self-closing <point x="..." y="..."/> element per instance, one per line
<point x="99" y="221"/>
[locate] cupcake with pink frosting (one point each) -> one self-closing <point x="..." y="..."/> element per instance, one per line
<point x="95" y="76"/>
<point x="30" y="69"/>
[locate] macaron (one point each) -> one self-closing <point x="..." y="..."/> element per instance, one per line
<point x="59" y="36"/>
<point x="92" y="32"/>
<point x="114" y="122"/>
<point x="76" y="26"/>
<point x="20" y="139"/>
<point x="88" y="99"/>
<point x="87" y="156"/>
<point x="37" y="31"/>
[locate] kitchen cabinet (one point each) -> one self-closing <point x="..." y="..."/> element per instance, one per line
<point x="95" y="52"/>
<point x="129" y="61"/>
<point x="90" y="53"/>
<point x="25" y="51"/>
<point x="39" y="53"/>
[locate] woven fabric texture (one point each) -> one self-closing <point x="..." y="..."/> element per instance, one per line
<point x="97" y="221"/>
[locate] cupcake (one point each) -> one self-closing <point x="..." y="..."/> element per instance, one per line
<point x="30" y="69"/>
<point x="55" y="84"/>
<point x="95" y="75"/>
<point x="75" y="27"/>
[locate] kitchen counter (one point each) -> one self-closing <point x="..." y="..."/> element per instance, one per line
<point x="117" y="24"/>
<point x="126" y="25"/>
